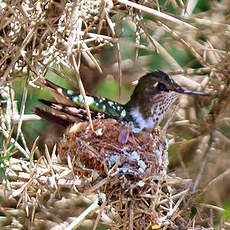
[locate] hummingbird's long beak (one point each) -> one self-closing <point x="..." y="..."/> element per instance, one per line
<point x="184" y="91"/>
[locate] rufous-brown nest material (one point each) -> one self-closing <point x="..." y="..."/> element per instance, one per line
<point x="132" y="175"/>
<point x="98" y="151"/>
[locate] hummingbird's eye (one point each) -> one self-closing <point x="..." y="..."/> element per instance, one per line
<point x="162" y="87"/>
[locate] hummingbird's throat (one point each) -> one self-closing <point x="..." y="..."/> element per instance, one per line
<point x="150" y="118"/>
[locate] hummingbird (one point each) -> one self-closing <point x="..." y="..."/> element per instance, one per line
<point x="152" y="97"/>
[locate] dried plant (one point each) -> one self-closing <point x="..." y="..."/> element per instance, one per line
<point x="135" y="190"/>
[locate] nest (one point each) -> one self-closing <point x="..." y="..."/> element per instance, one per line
<point x="130" y="179"/>
<point x="132" y="175"/>
<point x="100" y="150"/>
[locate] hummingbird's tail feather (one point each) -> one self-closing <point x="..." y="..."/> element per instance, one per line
<point x="75" y="112"/>
<point x="60" y="94"/>
<point x="52" y="116"/>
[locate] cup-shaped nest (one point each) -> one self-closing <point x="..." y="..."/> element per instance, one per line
<point x="98" y="151"/>
<point x="128" y="172"/>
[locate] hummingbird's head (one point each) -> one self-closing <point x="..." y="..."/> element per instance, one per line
<point x="162" y="82"/>
<point x="152" y="97"/>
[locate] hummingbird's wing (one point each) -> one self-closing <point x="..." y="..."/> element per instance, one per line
<point x="73" y="107"/>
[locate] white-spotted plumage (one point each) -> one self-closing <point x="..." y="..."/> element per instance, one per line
<point x="158" y="110"/>
<point x="150" y="101"/>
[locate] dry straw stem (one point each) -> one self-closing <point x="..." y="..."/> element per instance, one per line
<point x="134" y="196"/>
<point x="41" y="179"/>
<point x="33" y="37"/>
<point x="38" y="177"/>
<point x="77" y="222"/>
<point x="156" y="13"/>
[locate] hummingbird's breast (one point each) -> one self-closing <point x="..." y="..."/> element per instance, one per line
<point x="151" y="113"/>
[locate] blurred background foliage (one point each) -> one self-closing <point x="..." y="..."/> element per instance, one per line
<point x="200" y="131"/>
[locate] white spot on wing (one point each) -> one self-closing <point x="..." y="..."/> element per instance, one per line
<point x="110" y="103"/>
<point x="89" y="100"/>
<point x="123" y="113"/>
<point x="70" y="92"/>
<point x="80" y="98"/>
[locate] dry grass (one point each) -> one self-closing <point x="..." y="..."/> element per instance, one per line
<point x="135" y="191"/>
<point x="36" y="34"/>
